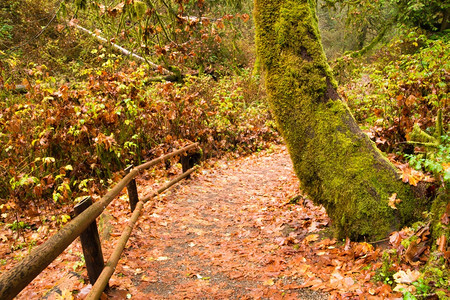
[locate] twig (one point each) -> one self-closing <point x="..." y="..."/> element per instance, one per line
<point x="379" y="241"/>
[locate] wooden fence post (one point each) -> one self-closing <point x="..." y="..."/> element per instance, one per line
<point x="132" y="190"/>
<point x="90" y="241"/>
<point x="189" y="160"/>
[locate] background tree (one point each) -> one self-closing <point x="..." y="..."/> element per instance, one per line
<point x="337" y="164"/>
<point x="366" y="23"/>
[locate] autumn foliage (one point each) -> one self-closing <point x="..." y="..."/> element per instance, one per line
<point x="62" y="140"/>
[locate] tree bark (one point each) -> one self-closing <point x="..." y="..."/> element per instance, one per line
<point x="337" y="164"/>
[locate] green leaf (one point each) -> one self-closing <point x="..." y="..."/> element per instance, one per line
<point x="409" y="296"/>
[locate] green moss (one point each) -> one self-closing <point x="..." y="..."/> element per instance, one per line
<point x="407" y="242"/>
<point x="418" y="135"/>
<point x="436" y="274"/>
<point x="338" y="166"/>
<point x="438" y="208"/>
<point x="386" y="272"/>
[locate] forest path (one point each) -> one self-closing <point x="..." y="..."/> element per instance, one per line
<point x="229" y="233"/>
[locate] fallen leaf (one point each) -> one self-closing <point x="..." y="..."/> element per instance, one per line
<point x="311" y="238"/>
<point x="447" y="256"/>
<point x="393" y="200"/>
<point x="3" y="238"/>
<point x="148" y="278"/>
<point x="362" y="249"/>
<point x="410" y="253"/>
<point x="442" y="243"/>
<point x="235" y="275"/>
<point x="311" y="282"/>
<point x="407" y="277"/>
<point x="84" y="291"/>
<point x="395" y="239"/>
<point x="269" y="282"/>
<point x="411" y="176"/>
<point x="348" y="244"/>
<point x="445" y="216"/>
<point x="402" y="288"/>
<point x="410" y="100"/>
<point x="65" y="295"/>
<point x="162" y="258"/>
<point x="348" y="281"/>
<point x="335" y="277"/>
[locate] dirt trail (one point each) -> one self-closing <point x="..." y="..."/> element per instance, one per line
<point x="229" y="233"/>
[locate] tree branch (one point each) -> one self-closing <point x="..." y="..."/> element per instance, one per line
<point x="123" y="50"/>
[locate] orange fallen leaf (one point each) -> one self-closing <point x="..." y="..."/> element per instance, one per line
<point x="148" y="278"/>
<point x="411" y="253"/>
<point x="65" y="295"/>
<point x="245" y="17"/>
<point x="393" y="200"/>
<point x="365" y="247"/>
<point x="269" y="282"/>
<point x="311" y="238"/>
<point x="312" y="282"/>
<point x="395" y="239"/>
<point x="442" y="243"/>
<point x="348" y="281"/>
<point x="411" y="176"/>
<point x="447" y="255"/>
<point x="335" y="277"/>
<point x="410" y="100"/>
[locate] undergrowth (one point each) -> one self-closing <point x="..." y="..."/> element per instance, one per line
<point x="403" y="84"/>
<point x="64" y="140"/>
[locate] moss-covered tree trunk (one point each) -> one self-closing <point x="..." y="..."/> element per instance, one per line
<point x="338" y="166"/>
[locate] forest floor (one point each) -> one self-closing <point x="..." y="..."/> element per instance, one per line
<point x="232" y="231"/>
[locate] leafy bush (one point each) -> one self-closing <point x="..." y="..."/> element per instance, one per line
<point x="435" y="160"/>
<point x="407" y="83"/>
<point x="61" y="140"/>
<point x="429" y="15"/>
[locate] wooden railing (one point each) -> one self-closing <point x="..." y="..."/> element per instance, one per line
<point x="84" y="225"/>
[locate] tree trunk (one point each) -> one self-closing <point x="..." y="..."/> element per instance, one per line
<point x="338" y="166"/>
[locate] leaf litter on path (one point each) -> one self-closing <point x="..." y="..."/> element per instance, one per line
<point x="231" y="232"/>
<point x="222" y="232"/>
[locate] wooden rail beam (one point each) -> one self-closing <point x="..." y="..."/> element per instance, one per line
<point x="162" y="158"/>
<point x="13" y="281"/>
